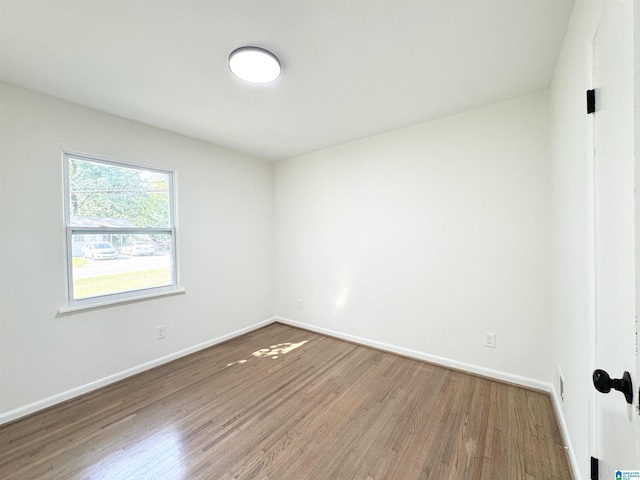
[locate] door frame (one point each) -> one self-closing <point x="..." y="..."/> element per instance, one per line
<point x="592" y="277"/>
<point x="592" y="334"/>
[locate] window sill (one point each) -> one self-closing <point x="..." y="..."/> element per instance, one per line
<point x="69" y="309"/>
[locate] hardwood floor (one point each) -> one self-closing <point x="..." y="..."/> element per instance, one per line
<point x="286" y="404"/>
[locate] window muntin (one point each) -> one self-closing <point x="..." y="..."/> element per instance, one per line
<point x="108" y="207"/>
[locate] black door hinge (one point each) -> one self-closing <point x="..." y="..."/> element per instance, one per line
<point x="591" y="101"/>
<point x="594" y="469"/>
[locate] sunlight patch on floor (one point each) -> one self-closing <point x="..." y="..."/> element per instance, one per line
<point x="274" y="351"/>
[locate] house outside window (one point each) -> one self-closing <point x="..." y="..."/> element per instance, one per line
<point x="120" y="230"/>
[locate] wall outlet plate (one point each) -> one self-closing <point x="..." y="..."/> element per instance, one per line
<point x="560" y="383"/>
<point x="489" y="340"/>
<point x="161" y="332"/>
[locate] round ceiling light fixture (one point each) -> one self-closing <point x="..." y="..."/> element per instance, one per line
<point x="254" y="65"/>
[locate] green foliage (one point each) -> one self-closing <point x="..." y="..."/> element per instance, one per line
<point x="78" y="262"/>
<point x="100" y="190"/>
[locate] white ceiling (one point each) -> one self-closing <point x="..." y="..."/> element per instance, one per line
<point x="351" y="68"/>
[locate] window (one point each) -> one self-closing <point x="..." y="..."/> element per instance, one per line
<point x="120" y="230"/>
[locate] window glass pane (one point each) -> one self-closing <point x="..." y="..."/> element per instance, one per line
<point x="106" y="195"/>
<point x="109" y="263"/>
<point x="120" y="230"/>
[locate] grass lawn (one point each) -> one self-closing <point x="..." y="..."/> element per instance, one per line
<point x="120" y="282"/>
<point x="79" y="262"/>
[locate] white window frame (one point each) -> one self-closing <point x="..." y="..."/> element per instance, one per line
<point x="132" y="295"/>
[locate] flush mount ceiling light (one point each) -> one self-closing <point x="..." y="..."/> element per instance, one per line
<point x="254" y="65"/>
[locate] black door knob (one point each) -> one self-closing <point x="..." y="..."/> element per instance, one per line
<point x="603" y="383"/>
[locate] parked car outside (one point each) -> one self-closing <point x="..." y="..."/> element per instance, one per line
<point x="164" y="244"/>
<point x="138" y="248"/>
<point x="99" y="250"/>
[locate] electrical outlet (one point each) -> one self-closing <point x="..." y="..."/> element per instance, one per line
<point x="560" y="383"/>
<point x="161" y="332"/>
<point x="299" y="304"/>
<point x="489" y="340"/>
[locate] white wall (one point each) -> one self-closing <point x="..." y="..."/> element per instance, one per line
<point x="225" y="249"/>
<point x="423" y="238"/>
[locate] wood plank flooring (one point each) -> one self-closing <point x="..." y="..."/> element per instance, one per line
<point x="286" y="404"/>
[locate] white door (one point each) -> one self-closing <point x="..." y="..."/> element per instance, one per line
<point x="636" y="51"/>
<point x="617" y="422"/>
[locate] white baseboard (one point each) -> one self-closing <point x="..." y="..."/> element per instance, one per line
<point x="564" y="431"/>
<point x="445" y="362"/>
<point x="75" y="392"/>
<point x="466" y="367"/>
